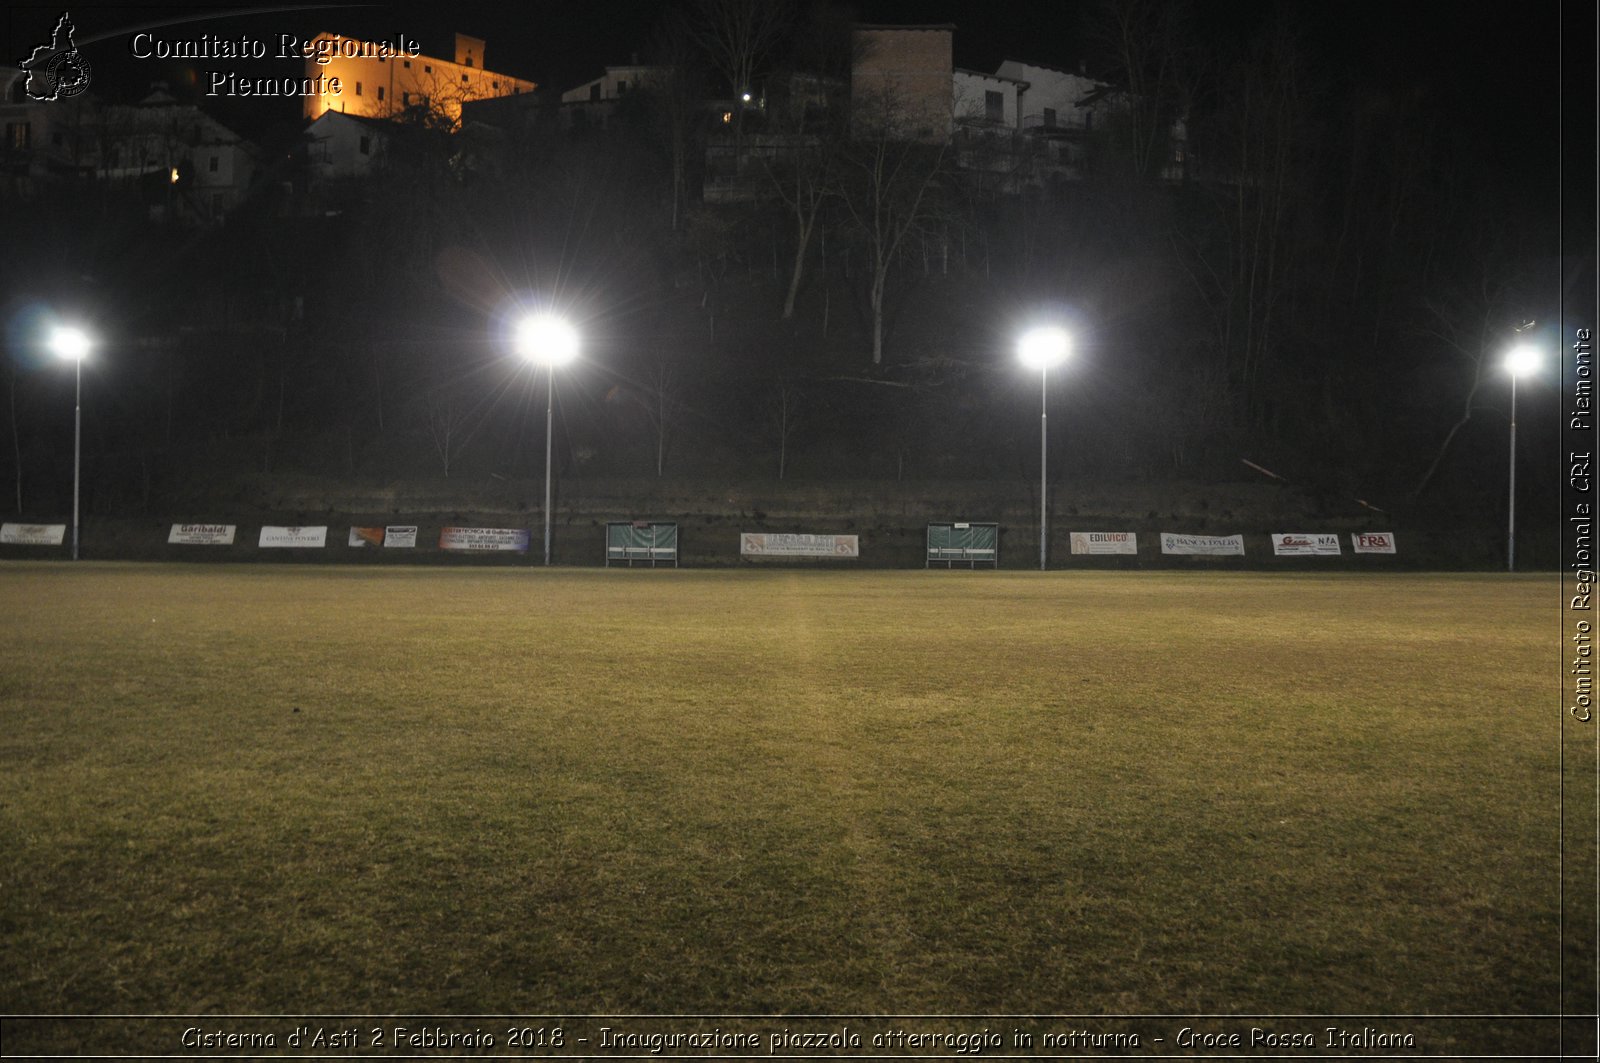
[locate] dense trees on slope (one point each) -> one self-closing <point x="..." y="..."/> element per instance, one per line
<point x="1320" y="295"/>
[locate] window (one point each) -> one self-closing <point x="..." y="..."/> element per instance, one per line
<point x="380" y="93"/>
<point x="405" y="99"/>
<point x="366" y="145"/>
<point x="594" y="91"/>
<point x="994" y="106"/>
<point x="19" y="135"/>
<point x="1088" y="119"/>
<point x="463" y="77"/>
<point x="1049" y="117"/>
<point x="358" y="88"/>
<point x="622" y="86"/>
<point x="407" y="63"/>
<point x="496" y="86"/>
<point x="427" y="69"/>
<point x="213" y="165"/>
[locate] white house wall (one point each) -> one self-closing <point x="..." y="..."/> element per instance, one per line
<point x="1056" y="90"/>
<point x="971" y="99"/>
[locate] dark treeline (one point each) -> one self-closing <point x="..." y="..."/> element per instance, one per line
<point x="1326" y="292"/>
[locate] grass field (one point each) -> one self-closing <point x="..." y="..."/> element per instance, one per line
<point x="272" y="789"/>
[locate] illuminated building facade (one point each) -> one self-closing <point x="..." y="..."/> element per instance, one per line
<point x="375" y="81"/>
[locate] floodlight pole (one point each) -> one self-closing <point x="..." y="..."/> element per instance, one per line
<point x="1044" y="406"/>
<point x="549" y="437"/>
<point x="1511" y="519"/>
<point x="77" y="448"/>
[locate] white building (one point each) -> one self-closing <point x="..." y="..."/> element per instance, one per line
<point x="987" y="101"/>
<point x="186" y="166"/>
<point x="1058" y="100"/>
<point x="594" y="102"/>
<point x="344" y="145"/>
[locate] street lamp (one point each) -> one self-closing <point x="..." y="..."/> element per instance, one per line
<point x="74" y="343"/>
<point x="1042" y="348"/>
<point x="1520" y="360"/>
<point x="547" y="340"/>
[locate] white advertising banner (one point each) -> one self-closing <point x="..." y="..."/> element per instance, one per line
<point x="202" y="534"/>
<point x="277" y="536"/>
<point x="400" y="535"/>
<point x="33" y="534"/>
<point x="783" y="544"/>
<point x="1372" y="542"/>
<point x="484" y="539"/>
<point x="1105" y="543"/>
<point x="1213" y="545"/>
<point x="1305" y="544"/>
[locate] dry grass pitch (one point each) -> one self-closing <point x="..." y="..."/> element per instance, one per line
<point x="273" y="789"/>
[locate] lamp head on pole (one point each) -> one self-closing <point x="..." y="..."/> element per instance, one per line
<point x="1042" y="348"/>
<point x="70" y="343"/>
<point x="545" y="339"/>
<point x="1522" y="360"/>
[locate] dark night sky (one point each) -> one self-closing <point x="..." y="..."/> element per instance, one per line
<point x="1493" y="70"/>
<point x="1498" y="58"/>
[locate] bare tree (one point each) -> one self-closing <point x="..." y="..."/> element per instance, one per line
<point x="803" y="175"/>
<point x="674" y="96"/>
<point x="785" y="419"/>
<point x="1260" y="136"/>
<point x="656" y="397"/>
<point x="737" y="35"/>
<point x="452" y="417"/>
<point x="1470" y="323"/>
<point x="890" y="190"/>
<point x="1146" y="40"/>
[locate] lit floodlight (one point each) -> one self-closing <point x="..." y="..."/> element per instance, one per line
<point x="545" y="339"/>
<point x="70" y="343"/>
<point x="1044" y="347"/>
<point x="1522" y="360"/>
<point x="73" y="345"/>
<point x="745" y="97"/>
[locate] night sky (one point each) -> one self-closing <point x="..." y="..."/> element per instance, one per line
<point x="1493" y="110"/>
<point x="1494" y="68"/>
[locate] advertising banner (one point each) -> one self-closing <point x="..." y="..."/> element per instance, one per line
<point x="366" y="536"/>
<point x="1372" y="542"/>
<point x="33" y="534"/>
<point x="1211" y="545"/>
<point x="1105" y="543"/>
<point x="202" y="534"/>
<point x="484" y="539"/>
<point x="400" y="535"/>
<point x="783" y="544"/>
<point x="277" y="536"/>
<point x="1305" y="544"/>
